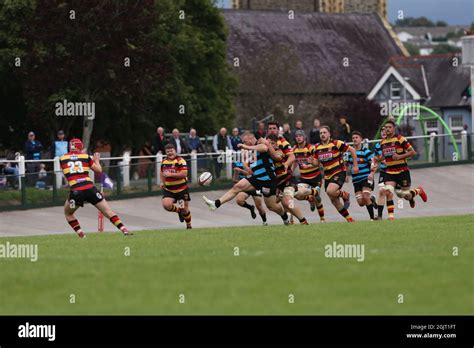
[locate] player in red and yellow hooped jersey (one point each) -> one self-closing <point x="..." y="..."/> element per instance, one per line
<point x="329" y="153"/>
<point x="283" y="157"/>
<point x="395" y="151"/>
<point x="76" y="166"/>
<point x="174" y="182"/>
<point x="309" y="185"/>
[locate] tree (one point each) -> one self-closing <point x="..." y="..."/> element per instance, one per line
<point x="441" y="24"/>
<point x="412" y="49"/>
<point x="444" y="48"/>
<point x="139" y="61"/>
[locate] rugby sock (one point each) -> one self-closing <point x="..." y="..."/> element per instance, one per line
<point x="345" y="214"/>
<point x="303" y="221"/>
<point x="380" y="208"/>
<point x="414" y="193"/>
<point x="175" y="209"/>
<point x="218" y="203"/>
<point x="248" y="206"/>
<point x="187" y="217"/>
<point x="75" y="225"/>
<point x="264" y="217"/>
<point x="320" y="211"/>
<point x="390" y="207"/>
<point x="116" y="221"/>
<point x="370" y="209"/>
<point x="284" y="216"/>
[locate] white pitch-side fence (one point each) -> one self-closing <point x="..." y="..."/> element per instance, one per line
<point x="227" y="158"/>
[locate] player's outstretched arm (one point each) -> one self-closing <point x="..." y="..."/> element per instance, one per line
<point x="96" y="167"/>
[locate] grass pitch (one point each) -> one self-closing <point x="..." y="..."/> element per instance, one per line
<point x="411" y="257"/>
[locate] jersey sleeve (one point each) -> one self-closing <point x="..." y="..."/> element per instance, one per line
<point x="285" y="147"/>
<point x="404" y="143"/>
<point x="341" y="146"/>
<point x="181" y="165"/>
<point x="369" y="155"/>
<point x="91" y="161"/>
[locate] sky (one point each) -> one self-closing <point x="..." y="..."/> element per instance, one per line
<point x="451" y="11"/>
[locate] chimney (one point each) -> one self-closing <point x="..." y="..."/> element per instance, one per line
<point x="468" y="49"/>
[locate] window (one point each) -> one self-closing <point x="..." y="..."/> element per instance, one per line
<point x="456" y="124"/>
<point x="395" y="90"/>
<point x="456" y="121"/>
<point x="432" y="126"/>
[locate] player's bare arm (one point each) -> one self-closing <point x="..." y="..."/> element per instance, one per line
<point x="355" y="166"/>
<point x="96" y="167"/>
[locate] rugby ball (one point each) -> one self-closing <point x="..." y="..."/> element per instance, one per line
<point x="205" y="179"/>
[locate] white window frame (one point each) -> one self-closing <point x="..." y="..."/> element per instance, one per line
<point x="395" y="89"/>
<point x="456" y="130"/>
<point x="430" y="129"/>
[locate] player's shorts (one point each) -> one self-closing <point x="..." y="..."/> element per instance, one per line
<point x="311" y="182"/>
<point x="266" y="187"/>
<point x="358" y="186"/>
<point x="338" y="179"/>
<point x="402" y="179"/>
<point x="177" y="196"/>
<point x="254" y="193"/>
<point x="284" y="182"/>
<point x="91" y="195"/>
<point x="382" y="177"/>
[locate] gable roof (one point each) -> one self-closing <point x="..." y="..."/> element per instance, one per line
<point x="321" y="41"/>
<point x="445" y="82"/>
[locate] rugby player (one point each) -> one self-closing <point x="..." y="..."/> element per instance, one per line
<point x="363" y="181"/>
<point x="263" y="179"/>
<point x="174" y="182"/>
<point x="329" y="153"/>
<point x="383" y="194"/>
<point x="241" y="171"/>
<point x="309" y="185"/>
<point x="76" y="166"/>
<point x="395" y="151"/>
<point x="283" y="158"/>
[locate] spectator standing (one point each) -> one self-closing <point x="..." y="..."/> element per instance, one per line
<point x="159" y="141"/>
<point x="194" y="142"/>
<point x="260" y="133"/>
<point x="344" y="129"/>
<point x="33" y="150"/>
<point x="235" y="139"/>
<point x="287" y="133"/>
<point x="220" y="143"/>
<point x="60" y="146"/>
<point x="314" y="133"/>
<point x="180" y="144"/>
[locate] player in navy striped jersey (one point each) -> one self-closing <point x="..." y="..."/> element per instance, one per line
<point x="241" y="171"/>
<point x="363" y="180"/>
<point x="263" y="178"/>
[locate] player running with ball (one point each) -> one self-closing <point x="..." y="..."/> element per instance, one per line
<point x="174" y="182"/>
<point x="76" y="166"/>
<point x="241" y="171"/>
<point x="395" y="151"/>
<point x="263" y="178"/>
<point x="329" y="153"/>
